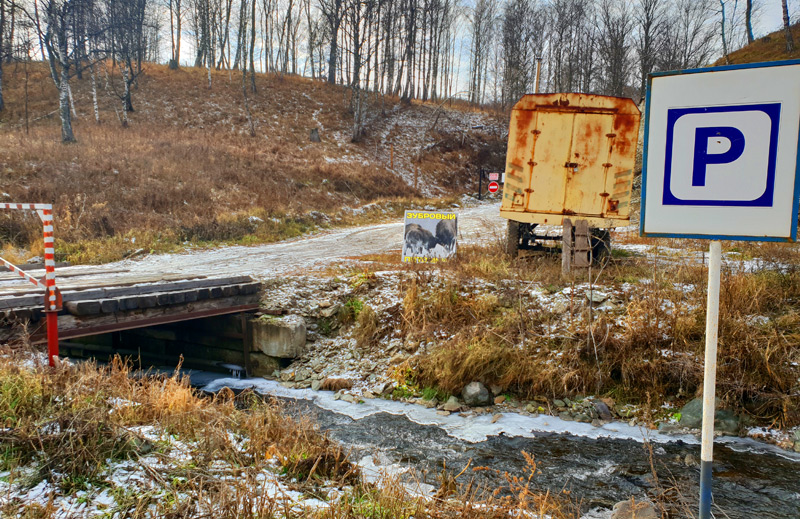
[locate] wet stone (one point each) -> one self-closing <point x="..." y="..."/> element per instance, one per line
<point x="559" y="403"/>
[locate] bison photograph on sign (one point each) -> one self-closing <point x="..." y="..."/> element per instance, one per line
<point x="429" y="236"/>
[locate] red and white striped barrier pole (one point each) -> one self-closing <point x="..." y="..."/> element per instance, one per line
<point x="51" y="302"/>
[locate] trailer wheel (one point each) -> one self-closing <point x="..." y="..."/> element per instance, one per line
<point x="601" y="246"/>
<point x="512" y="238"/>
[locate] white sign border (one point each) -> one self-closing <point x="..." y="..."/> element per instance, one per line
<point x="795" y="202"/>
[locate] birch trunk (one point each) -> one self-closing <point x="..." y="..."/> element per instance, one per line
<point x="63" y="107"/>
<point x="94" y="95"/>
<point x="786" y="28"/>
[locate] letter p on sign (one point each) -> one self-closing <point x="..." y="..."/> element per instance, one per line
<point x="721" y="149"/>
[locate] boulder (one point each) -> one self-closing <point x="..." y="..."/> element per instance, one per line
<point x="725" y="421"/>
<point x="603" y="412"/>
<point x="283" y="338"/>
<point x="692" y="414"/>
<point x="475" y="394"/>
<point x="632" y="509"/>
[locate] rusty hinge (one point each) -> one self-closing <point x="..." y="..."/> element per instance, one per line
<point x="604" y="194"/>
<point x="613" y="206"/>
<point x="611" y="135"/>
<point x="607" y="165"/>
<point x="531" y="163"/>
<point x="572" y="165"/>
<point x="536" y="132"/>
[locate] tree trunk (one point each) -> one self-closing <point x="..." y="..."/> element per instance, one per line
<point x="786" y="28"/>
<point x="126" y="80"/>
<point x="94" y="95"/>
<point x="63" y="107"/>
<point x="334" y="52"/>
<point x="2" y="54"/>
<point x="253" y="47"/>
<point x="748" y="17"/>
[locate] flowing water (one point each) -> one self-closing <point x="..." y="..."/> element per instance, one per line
<point x="597" y="466"/>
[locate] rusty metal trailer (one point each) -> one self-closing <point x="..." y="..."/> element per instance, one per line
<point x="570" y="157"/>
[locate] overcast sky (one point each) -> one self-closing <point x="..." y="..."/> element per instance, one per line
<point x="771" y="18"/>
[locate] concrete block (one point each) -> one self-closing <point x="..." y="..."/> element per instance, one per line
<point x="263" y="365"/>
<point x="282" y="337"/>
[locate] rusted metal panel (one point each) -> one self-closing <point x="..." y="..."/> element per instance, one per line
<point x="571" y="154"/>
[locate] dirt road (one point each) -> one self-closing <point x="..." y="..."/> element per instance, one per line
<point x="475" y="224"/>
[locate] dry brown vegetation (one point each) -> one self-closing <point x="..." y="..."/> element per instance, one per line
<point x="73" y="422"/>
<point x="767" y="48"/>
<point x="186" y="169"/>
<point x="486" y="326"/>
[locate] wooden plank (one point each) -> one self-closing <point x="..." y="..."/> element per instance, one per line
<point x="582" y="246"/>
<point x="76" y="326"/>
<point x="125" y="287"/>
<point x="566" y="247"/>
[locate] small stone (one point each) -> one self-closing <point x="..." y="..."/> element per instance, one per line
<point x="532" y="408"/>
<point x="286" y="376"/>
<point x="302" y="374"/>
<point x="329" y="311"/>
<point x="397" y="358"/>
<point x="452" y="405"/>
<point x="495" y="389"/>
<point x="690" y="461"/>
<point x="567" y="402"/>
<point x="368" y="395"/>
<point x="443" y="413"/>
<point x="315" y="384"/>
<point x="559" y="403"/>
<point x="496" y="417"/>
<point x="499" y="400"/>
<point x="582" y="417"/>
<point x="632" y="509"/>
<point x="596" y="423"/>
<point x="566" y="416"/>
<point x="596" y="297"/>
<point x="347" y="397"/>
<point x="430" y="404"/>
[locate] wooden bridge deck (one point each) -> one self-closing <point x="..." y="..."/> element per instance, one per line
<point x="100" y="300"/>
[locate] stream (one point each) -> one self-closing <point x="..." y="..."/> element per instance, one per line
<point x="598" y="466"/>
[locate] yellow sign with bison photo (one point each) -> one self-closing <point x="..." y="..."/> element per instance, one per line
<point x="429" y="237"/>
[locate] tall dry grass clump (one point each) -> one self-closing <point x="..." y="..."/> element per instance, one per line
<point x="653" y="343"/>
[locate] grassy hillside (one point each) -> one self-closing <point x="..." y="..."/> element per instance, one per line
<point x="187" y="170"/>
<point x="768" y="48"/>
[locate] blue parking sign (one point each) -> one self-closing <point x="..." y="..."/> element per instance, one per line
<point x="721" y="153"/>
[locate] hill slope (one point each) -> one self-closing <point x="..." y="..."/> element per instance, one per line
<point x="186" y="168"/>
<point x="768" y="48"/>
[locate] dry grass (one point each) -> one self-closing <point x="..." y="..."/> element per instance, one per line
<point x="768" y="48"/>
<point x="71" y="423"/>
<point x="186" y="168"/>
<point x="479" y="312"/>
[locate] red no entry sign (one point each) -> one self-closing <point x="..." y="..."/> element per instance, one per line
<point x="493" y="187"/>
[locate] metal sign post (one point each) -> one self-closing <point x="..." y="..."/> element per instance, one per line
<point x="710" y="377"/>
<point x="721" y="161"/>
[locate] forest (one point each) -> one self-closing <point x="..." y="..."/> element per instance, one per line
<point x="486" y="52"/>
